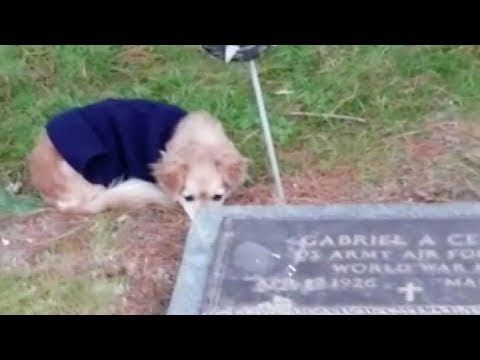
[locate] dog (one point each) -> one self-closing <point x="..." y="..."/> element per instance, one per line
<point x="129" y="153"/>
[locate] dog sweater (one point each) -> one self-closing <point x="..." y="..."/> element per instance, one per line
<point x="114" y="139"/>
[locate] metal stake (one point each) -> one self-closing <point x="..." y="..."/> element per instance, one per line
<point x="267" y="133"/>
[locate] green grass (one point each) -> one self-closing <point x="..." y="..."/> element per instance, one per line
<point x="43" y="294"/>
<point x="392" y="88"/>
<point x="68" y="277"/>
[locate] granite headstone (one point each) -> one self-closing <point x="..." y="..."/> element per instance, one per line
<point x="398" y="259"/>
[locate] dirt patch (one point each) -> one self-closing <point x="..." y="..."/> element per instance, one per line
<point x="303" y="183"/>
<point x="312" y="187"/>
<point x="425" y="150"/>
<point x="151" y="249"/>
<point x="441" y="163"/>
<point x="23" y="238"/>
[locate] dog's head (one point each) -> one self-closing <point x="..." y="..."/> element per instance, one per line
<point x="201" y="182"/>
<point x="200" y="167"/>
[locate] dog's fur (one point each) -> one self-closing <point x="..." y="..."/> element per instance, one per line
<point x="199" y="167"/>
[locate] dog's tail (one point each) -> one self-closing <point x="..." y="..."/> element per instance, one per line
<point x="128" y="194"/>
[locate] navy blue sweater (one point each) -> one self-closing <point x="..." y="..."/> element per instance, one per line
<point x="114" y="139"/>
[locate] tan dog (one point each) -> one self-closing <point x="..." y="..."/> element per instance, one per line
<point x="200" y="167"/>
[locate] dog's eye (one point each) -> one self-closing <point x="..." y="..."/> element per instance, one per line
<point x="217" y="197"/>
<point x="189" y="198"/>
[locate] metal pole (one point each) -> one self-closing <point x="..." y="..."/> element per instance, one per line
<point x="266" y="132"/>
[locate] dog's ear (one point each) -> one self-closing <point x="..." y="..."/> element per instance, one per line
<point x="233" y="168"/>
<point x="170" y="175"/>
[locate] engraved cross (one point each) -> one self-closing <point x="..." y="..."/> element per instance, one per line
<point x="409" y="290"/>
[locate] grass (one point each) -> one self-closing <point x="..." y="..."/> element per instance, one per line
<point x="391" y="89"/>
<point x="50" y="295"/>
<point x="67" y="277"/>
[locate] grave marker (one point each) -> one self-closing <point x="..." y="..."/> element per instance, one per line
<point x="355" y="259"/>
